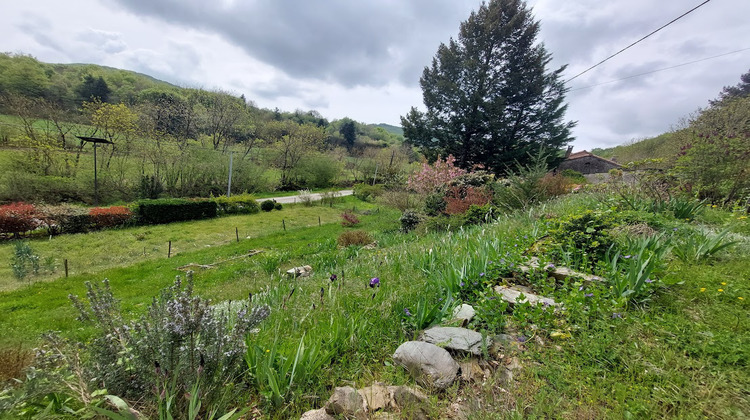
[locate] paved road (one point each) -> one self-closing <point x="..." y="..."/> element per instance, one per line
<point x="295" y="198"/>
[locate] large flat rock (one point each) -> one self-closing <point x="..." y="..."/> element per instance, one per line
<point x="458" y="339"/>
<point x="512" y="295"/>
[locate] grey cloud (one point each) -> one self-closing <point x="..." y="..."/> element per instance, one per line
<point x="38" y="28"/>
<point x="107" y="42"/>
<point x="351" y="43"/>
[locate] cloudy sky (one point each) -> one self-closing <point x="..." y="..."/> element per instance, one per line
<point x="363" y="58"/>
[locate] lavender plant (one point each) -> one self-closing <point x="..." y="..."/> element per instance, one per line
<point x="179" y="342"/>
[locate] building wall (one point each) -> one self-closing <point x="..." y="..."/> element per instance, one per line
<point x="587" y="165"/>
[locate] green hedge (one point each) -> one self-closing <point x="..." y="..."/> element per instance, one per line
<point x="237" y="204"/>
<point x="152" y="212"/>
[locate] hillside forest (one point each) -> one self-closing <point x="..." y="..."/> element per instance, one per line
<point x="169" y="141"/>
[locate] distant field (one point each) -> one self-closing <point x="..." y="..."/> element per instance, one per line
<point x="93" y="252"/>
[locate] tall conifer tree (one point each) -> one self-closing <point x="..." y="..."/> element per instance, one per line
<point x="490" y="99"/>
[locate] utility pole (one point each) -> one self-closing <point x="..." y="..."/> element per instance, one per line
<point x="229" y="184"/>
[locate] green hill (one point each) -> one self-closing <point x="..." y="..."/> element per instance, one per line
<point x="391" y="129"/>
<point x="664" y="146"/>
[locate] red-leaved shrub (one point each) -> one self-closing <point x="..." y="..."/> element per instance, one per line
<point x="103" y="218"/>
<point x="17" y="218"/>
<point x="349" y="219"/>
<point x="459" y="199"/>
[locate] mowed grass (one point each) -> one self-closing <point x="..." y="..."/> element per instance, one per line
<point x="93" y="252"/>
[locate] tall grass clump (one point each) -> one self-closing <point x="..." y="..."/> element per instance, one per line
<point x="632" y="271"/>
<point x="700" y="247"/>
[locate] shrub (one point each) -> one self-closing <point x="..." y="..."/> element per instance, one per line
<point x="458" y="199"/>
<point x="305" y="197"/>
<point x="354" y="237"/>
<point x="434" y="203"/>
<point x="367" y="192"/>
<point x="17" y="218"/>
<point x="277" y="206"/>
<point x="402" y="200"/>
<point x="64" y="218"/>
<point x="574" y="176"/>
<point x="236" y="204"/>
<point x="479" y="214"/>
<point x="585" y="235"/>
<point x="151" y="212"/>
<point x="349" y="219"/>
<point x="150" y="187"/>
<point x="25" y="261"/>
<point x="522" y="189"/>
<point x="431" y="177"/>
<point x="329" y="197"/>
<point x="409" y="220"/>
<point x="23" y="186"/>
<point x="555" y="184"/>
<point x="320" y="171"/>
<point x="267" y="205"/>
<point x="180" y="343"/>
<point x="104" y="218"/>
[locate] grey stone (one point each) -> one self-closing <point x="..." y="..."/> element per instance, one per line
<point x="303" y="271"/>
<point x="427" y="363"/>
<point x="319" y="414"/>
<point x="409" y="401"/>
<point x="511" y="294"/>
<point x="346" y="401"/>
<point x="454" y="338"/>
<point x="561" y="273"/>
<point x="377" y="397"/>
<point x="471" y="371"/>
<point x="464" y="313"/>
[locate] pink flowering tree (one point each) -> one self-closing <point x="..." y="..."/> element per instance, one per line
<point x="430" y="177"/>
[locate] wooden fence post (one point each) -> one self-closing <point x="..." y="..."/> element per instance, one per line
<point x="169" y="252"/>
<point x="66" y="267"/>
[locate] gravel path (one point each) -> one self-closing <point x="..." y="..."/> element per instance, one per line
<point x="295" y="198"/>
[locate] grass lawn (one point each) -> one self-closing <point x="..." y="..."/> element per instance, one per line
<point x="682" y="352"/>
<point x="93" y="252"/>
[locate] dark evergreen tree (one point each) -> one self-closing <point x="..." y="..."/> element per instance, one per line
<point x="93" y="88"/>
<point x="489" y="97"/>
<point x="740" y="90"/>
<point x="349" y="131"/>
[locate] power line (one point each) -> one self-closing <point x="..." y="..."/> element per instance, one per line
<point x="658" y="70"/>
<point x="652" y="32"/>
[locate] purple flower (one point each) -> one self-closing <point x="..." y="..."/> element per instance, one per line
<point x="588" y="295"/>
<point x="521" y="339"/>
<point x="406" y="311"/>
<point x="649" y="281"/>
<point x="375" y="281"/>
<point x="462" y="284"/>
<point x="616" y="315"/>
<point x="481" y="274"/>
<point x="333" y="277"/>
<point x="580" y="289"/>
<point x="626" y="257"/>
<point x="550" y="266"/>
<point x="674" y="230"/>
